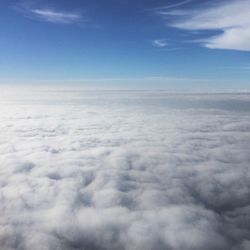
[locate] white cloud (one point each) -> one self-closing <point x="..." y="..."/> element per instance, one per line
<point x="171" y="6"/>
<point x="52" y="15"/>
<point x="124" y="170"/>
<point x="229" y="17"/>
<point x="56" y="16"/>
<point x="160" y="43"/>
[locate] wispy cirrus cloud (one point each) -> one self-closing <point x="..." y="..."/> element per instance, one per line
<point x="55" y="16"/>
<point x="231" y="18"/>
<point x="49" y="14"/>
<point x="171" y="6"/>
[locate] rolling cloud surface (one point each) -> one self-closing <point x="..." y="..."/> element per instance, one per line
<point x="124" y="170"/>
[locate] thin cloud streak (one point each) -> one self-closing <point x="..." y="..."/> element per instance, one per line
<point x="171" y="6"/>
<point x="51" y="15"/>
<point x="56" y="16"/>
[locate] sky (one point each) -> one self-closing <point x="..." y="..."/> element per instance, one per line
<point x="186" y="44"/>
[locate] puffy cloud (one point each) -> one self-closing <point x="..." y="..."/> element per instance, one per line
<point x="124" y="170"/>
<point x="160" y="43"/>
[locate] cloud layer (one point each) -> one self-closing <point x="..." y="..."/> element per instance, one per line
<point x="230" y="18"/>
<point x="124" y="170"/>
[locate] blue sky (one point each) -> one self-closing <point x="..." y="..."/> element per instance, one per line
<point x="190" y="44"/>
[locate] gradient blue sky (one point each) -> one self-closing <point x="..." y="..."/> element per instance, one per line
<point x="126" y="44"/>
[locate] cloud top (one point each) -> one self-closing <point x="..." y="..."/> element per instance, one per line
<point x="129" y="170"/>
